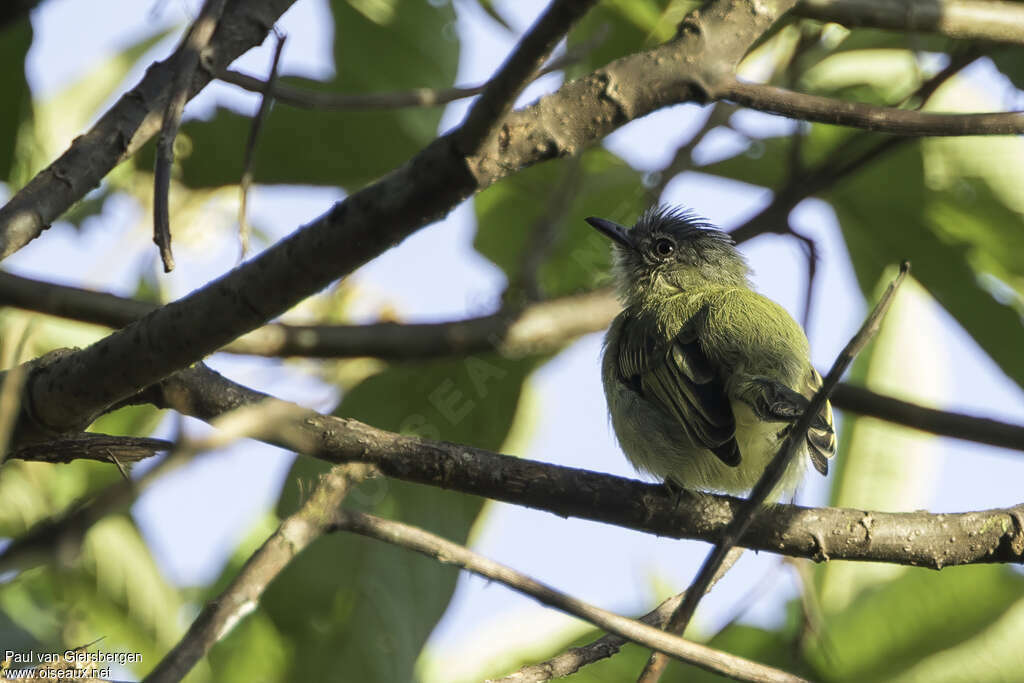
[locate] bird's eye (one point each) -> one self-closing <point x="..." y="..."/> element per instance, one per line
<point x="664" y="247"/>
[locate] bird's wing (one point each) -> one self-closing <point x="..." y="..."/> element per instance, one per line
<point x="679" y="379"/>
<point x="821" y="437"/>
<point x="773" y="401"/>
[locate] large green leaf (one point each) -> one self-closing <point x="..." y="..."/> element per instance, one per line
<point x="885" y="221"/>
<point x="509" y="213"/>
<point x="913" y="617"/>
<point x="15" y="39"/>
<point x="355" y="609"/>
<point x="378" y="46"/>
<point x="114" y="591"/>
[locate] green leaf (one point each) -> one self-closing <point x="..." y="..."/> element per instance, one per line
<point x="921" y="613"/>
<point x="509" y="212"/>
<point x="1007" y="60"/>
<point x="356" y="609"/>
<point x="114" y="590"/>
<point x="379" y="45"/>
<point x="16" y="112"/>
<point x="885" y="222"/>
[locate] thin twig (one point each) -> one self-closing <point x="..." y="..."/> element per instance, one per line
<point x="682" y="160"/>
<point x="847" y="158"/>
<point x="571" y="661"/>
<point x="303" y="98"/>
<point x="501" y="90"/>
<point x="819" y="109"/>
<point x="431" y="545"/>
<point x="266" y="100"/>
<point x="195" y="42"/>
<point x="777" y="468"/>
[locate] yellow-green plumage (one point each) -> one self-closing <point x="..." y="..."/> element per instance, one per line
<point x="702" y="374"/>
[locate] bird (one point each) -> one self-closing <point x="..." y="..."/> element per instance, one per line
<point x="703" y="376"/>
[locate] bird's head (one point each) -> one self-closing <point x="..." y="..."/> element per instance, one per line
<point x="670" y="250"/>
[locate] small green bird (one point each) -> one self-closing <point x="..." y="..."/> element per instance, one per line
<point x="703" y="375"/>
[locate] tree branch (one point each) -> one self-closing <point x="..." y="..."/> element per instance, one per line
<point x="382" y="214"/>
<point x="988" y="20"/>
<point x="907" y="122"/>
<point x="434" y="546"/>
<point x="187" y="59"/>
<point x="540" y="327"/>
<point x="574" y="659"/>
<point x="915" y="538"/>
<point x="125" y="127"/>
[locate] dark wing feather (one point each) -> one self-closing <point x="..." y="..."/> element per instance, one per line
<point x="821" y="437"/>
<point x="680" y="380"/>
<point x="773" y="401"/>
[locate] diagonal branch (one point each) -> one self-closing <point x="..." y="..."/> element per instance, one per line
<point x="242" y="595"/>
<point x="574" y="659"/>
<point x="126" y="126"/>
<point x="434" y="546"/>
<point x="379" y="216"/>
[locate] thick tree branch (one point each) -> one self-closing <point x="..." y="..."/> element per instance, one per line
<point x="443" y="550"/>
<point x="915" y="538"/>
<point x="908" y="122"/>
<point x="988" y="20"/>
<point x="126" y="126"/>
<point x="242" y="595"/>
<point x="382" y="214"/>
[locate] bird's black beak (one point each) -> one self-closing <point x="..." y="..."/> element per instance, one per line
<point x="613" y="231"/>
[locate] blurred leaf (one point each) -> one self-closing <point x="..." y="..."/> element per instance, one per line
<point x="508" y="214"/>
<point x="16" y="112"/>
<point x="113" y="590"/>
<point x="885" y="222"/>
<point x="880" y="39"/>
<point x="1007" y="59"/>
<point x="379" y="45"/>
<point x="912" y="617"/>
<point x="355" y="609"/>
<point x="615" y="28"/>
